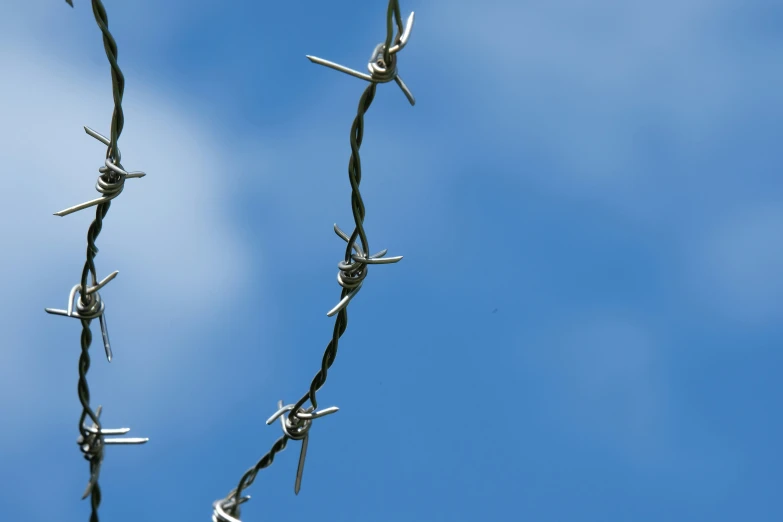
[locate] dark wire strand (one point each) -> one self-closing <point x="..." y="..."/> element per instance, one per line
<point x="117" y="79"/>
<point x="352" y="271"/>
<point x="84" y="398"/>
<point x="358" y="209"/>
<point x="393" y="15"/>
<point x="341" y="322"/>
<point x="113" y="152"/>
<point x="250" y="475"/>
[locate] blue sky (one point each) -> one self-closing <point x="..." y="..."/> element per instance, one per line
<point x="605" y="174"/>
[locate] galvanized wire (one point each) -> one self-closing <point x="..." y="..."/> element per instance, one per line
<point x="89" y="304"/>
<point x="352" y="269"/>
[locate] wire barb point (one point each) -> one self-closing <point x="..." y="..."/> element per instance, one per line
<point x="351" y="275"/>
<point x="111" y="181"/>
<point x="89" y="306"/>
<point x="92" y="442"/>
<point x="382" y="64"/>
<point x="296" y="426"/>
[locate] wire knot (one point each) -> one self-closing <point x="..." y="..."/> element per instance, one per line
<point x="353" y="271"/>
<point x="296" y="426"/>
<point x="111" y="181"/>
<point x="382" y="65"/>
<point x="92" y="441"/>
<point x="298" y="422"/>
<point x="89" y="306"/>
<point x="222" y="508"/>
<point x="91" y="446"/>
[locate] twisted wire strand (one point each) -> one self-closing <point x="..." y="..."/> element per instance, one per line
<point x="83" y="389"/>
<point x="353" y="270"/>
<point x="107" y="179"/>
<point x="117" y="78"/>
<point x="84" y="398"/>
<point x="359" y="270"/>
<point x="393" y="15"/>
<point x="95" y="501"/>
<point x="341" y="322"/>
<point x="108" y="176"/>
<point x="234" y="497"/>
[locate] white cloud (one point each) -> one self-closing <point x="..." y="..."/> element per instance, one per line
<point x="623" y="100"/>
<point x="169" y="234"/>
<point x="645" y="108"/>
<point x="736" y="266"/>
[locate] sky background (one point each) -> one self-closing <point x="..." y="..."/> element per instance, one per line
<point x="605" y="174"/>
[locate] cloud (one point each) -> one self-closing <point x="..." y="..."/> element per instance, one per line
<point x="736" y="266"/>
<point x="653" y="111"/>
<point x="622" y="102"/>
<point x="169" y="234"/>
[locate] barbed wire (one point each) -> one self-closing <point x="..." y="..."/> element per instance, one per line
<point x="353" y="268"/>
<point x="89" y="305"/>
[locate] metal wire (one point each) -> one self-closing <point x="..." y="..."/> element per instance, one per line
<point x="89" y="305"/>
<point x="352" y="269"/>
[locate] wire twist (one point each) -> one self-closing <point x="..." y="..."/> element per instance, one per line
<point x="117" y="123"/>
<point x="352" y="273"/>
<point x="89" y="304"/>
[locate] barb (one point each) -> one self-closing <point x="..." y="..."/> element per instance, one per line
<point x="383" y="60"/>
<point x="89" y="304"/>
<point x="298" y="428"/>
<point x="93" y="308"/>
<point x="110" y="183"/>
<point x="297" y="422"/>
<point x="92" y="441"/>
